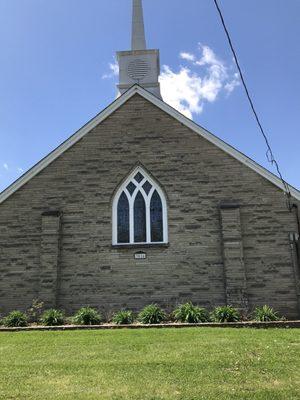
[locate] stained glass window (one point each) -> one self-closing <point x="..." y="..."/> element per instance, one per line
<point x="123" y="219"/>
<point x="139" y="211"/>
<point x="147" y="187"/>
<point x="131" y="187"/>
<point x="156" y="217"/>
<point x="139" y="177"/>
<point x="139" y="219"/>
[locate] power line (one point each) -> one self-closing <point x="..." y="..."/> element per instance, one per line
<point x="269" y="153"/>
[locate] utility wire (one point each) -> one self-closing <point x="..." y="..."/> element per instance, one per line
<point x="269" y="152"/>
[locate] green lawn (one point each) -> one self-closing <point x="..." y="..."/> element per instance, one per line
<point x="189" y="363"/>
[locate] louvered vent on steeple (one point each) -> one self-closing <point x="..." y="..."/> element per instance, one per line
<point x="138" y="69"/>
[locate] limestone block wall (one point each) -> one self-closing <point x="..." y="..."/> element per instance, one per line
<point x="233" y="257"/>
<point x="70" y="259"/>
<point x="49" y="263"/>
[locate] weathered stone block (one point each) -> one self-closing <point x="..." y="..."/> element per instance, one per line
<point x="234" y="267"/>
<point x="49" y="264"/>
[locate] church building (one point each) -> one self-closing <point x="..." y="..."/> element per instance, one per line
<point x="142" y="205"/>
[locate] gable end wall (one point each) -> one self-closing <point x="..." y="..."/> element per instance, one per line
<point x="197" y="178"/>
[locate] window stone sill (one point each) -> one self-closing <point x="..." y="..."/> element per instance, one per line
<point x="140" y="246"/>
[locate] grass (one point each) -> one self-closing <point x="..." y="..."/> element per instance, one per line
<point x="206" y="363"/>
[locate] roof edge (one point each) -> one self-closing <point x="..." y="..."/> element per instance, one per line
<point x="220" y="143"/>
<point x="37" y="168"/>
<point x="54" y="154"/>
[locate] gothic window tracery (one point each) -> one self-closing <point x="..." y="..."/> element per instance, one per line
<point x="139" y="211"/>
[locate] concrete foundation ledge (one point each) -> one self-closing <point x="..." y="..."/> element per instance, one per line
<point x="250" y="324"/>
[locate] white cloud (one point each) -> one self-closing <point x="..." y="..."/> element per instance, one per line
<point x="230" y="86"/>
<point x="114" y="70"/>
<point x="208" y="57"/>
<point x="187" y="56"/>
<point x="181" y="90"/>
<point x="201" y="81"/>
<point x="12" y="169"/>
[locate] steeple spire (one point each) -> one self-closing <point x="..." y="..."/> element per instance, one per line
<point x="138" y="40"/>
<point x="139" y="65"/>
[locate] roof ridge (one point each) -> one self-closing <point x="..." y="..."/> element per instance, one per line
<point x="136" y="89"/>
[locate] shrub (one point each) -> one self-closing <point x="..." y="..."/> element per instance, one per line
<point x="123" y="317"/>
<point x="189" y="313"/>
<point x="15" y="319"/>
<point x="52" y="317"/>
<point x="265" y="313"/>
<point x="225" y="314"/>
<point x="34" y="312"/>
<point x="152" y="314"/>
<point x="87" y="316"/>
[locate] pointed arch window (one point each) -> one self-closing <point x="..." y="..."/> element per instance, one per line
<point x="139" y="211"/>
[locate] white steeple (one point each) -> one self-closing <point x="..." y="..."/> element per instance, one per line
<point x="138" y="40"/>
<point x="139" y="65"/>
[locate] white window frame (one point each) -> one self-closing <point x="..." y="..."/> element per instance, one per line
<point x="131" y="199"/>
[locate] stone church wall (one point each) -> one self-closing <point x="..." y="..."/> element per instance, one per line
<point x="229" y="229"/>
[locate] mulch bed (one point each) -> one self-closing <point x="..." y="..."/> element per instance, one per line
<point x="248" y="324"/>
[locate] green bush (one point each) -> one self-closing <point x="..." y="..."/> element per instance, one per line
<point x="52" y="317"/>
<point x="189" y="313"/>
<point x="87" y="316"/>
<point x="15" y="319"/>
<point x="123" y="317"/>
<point x="151" y="314"/>
<point x="35" y="311"/>
<point x="265" y="313"/>
<point x="225" y="314"/>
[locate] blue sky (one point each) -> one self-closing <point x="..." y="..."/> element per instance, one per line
<point x="55" y="71"/>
